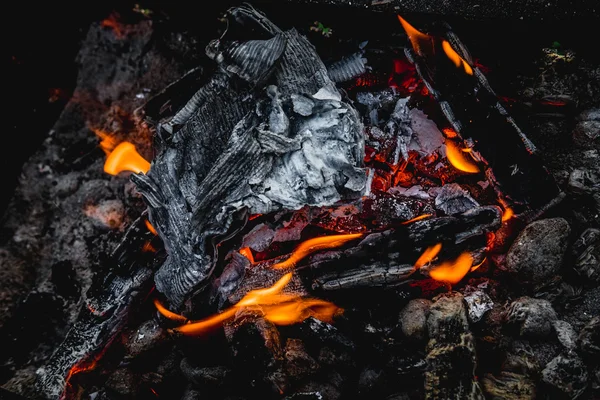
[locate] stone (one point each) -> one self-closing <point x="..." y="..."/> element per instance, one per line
<point x="413" y="319"/>
<point x="535" y="317"/>
<point x="537" y="253"/>
<point x="566" y="334"/>
<point x="478" y="303"/>
<point x="589" y="337"/>
<point x="508" y="386"/>
<point x="566" y="375"/>
<point x="587" y="130"/>
<point x="298" y="363"/>
<point x="586" y="253"/>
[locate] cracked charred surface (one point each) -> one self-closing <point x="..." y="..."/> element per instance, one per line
<point x="268" y="132"/>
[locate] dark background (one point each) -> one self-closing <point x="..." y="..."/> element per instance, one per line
<point x="42" y="43"/>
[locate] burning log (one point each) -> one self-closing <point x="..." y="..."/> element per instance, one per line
<point x="269" y="131"/>
<point x="476" y="114"/>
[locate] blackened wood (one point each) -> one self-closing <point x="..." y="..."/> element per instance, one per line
<point x="475" y="112"/>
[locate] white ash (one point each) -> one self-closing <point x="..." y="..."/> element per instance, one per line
<point x="478" y="303"/>
<point x="427" y="138"/>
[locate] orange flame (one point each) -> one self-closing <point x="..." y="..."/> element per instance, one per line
<point x="508" y="214"/>
<point x="168" y="314"/>
<point x="148" y="248"/>
<point x="420" y="217"/>
<point x="459" y="159"/>
<point x="312" y="245"/>
<point x="275" y="306"/>
<point x="453" y="271"/>
<point x="150" y="227"/>
<point x="475" y="267"/>
<point x="421" y="42"/>
<point x="246" y="252"/>
<point x="456" y="58"/>
<point x="125" y="158"/>
<point x="449" y="132"/>
<point x="428" y="255"/>
<point x="108" y="142"/>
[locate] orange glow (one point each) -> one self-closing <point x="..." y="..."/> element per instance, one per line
<point x="150" y="227"/>
<point x="108" y="142"/>
<point x="148" y="248"/>
<point x="475" y="267"/>
<point x="420" y="217"/>
<point x="428" y="255"/>
<point x="312" y="245"/>
<point x="113" y="23"/>
<point x="168" y="314"/>
<point x="449" y="132"/>
<point x="458" y="158"/>
<point x="508" y="214"/>
<point x="452" y="271"/>
<point x="275" y="306"/>
<point x="125" y="158"/>
<point x="456" y="58"/>
<point x="420" y="42"/>
<point x="246" y="252"/>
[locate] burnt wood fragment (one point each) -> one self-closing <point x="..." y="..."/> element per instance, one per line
<point x="269" y="131"/>
<point x="475" y="112"/>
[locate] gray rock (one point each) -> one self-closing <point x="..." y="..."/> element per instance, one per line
<point x="478" y="303"/>
<point x="537" y="253"/>
<point x="587" y="131"/>
<point x="508" y="386"/>
<point x="566" y="334"/>
<point x="586" y="253"/>
<point x="447" y="314"/>
<point x="567" y="375"/>
<point x="589" y="337"/>
<point x="413" y="319"/>
<point x="534" y="316"/>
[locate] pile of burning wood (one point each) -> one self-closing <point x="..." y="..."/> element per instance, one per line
<point x="295" y="229"/>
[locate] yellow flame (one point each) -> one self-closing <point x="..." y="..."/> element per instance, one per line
<point x="456" y="58"/>
<point x="420" y="42"/>
<point x="428" y="255"/>
<point x="453" y="271"/>
<point x="420" y="217"/>
<point x="459" y="159"/>
<point x="312" y="245"/>
<point x="125" y="158"/>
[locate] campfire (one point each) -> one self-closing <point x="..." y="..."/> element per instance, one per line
<point x="282" y="213"/>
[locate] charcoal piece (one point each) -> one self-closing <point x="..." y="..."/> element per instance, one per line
<point x="192" y="394"/>
<point x="259" y="238"/>
<point x="347" y="68"/>
<point x="587" y="130"/>
<point x="586" y="253"/>
<point x="534" y="317"/>
<point x="376" y="105"/>
<point x="567" y="375"/>
<point x="146" y="337"/>
<point x="400" y="126"/>
<point x="231" y="277"/>
<point x="375" y="275"/>
<point x="205" y="377"/>
<point x="124" y="382"/>
<point x="451" y="358"/>
<point x="371" y="382"/>
<point x="509" y="385"/>
<point x="376" y="260"/>
<point x="242" y="152"/>
<point x="452" y="199"/>
<point x="255" y="344"/>
<point x="589" y="338"/>
<point x="390" y="208"/>
<point x="298" y="363"/>
<point x="566" y="334"/>
<point x="474" y="111"/>
<point x="413" y="319"/>
<point x="537" y="253"/>
<point x="98" y="324"/>
<point x="326" y="334"/>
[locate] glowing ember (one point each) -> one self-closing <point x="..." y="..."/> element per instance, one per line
<point x="452" y="271"/>
<point x="313" y="245"/>
<point x="113" y="23"/>
<point x="458" y="158"/>
<point x="168" y="314"/>
<point x="275" y="306"/>
<point x="428" y="255"/>
<point x="246" y="252"/>
<point x="455" y="58"/>
<point x="449" y="133"/>
<point x="125" y="158"/>
<point x="148" y="248"/>
<point x="508" y="214"/>
<point x="150" y="227"/>
<point x="421" y="42"/>
<point x="420" y="217"/>
<point x="475" y="267"/>
<point x="108" y="142"/>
